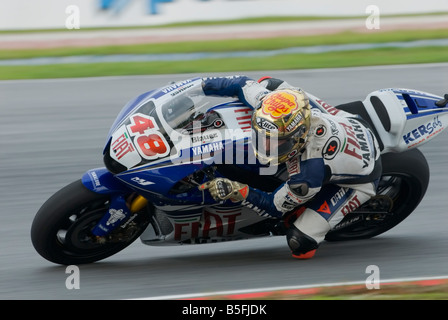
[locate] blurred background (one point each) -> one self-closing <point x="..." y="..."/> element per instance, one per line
<point x="128" y="37"/>
<point x="51" y="14"/>
<point x="67" y="67"/>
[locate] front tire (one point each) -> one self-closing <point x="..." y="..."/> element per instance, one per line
<point x="402" y="186"/>
<point x="61" y="228"/>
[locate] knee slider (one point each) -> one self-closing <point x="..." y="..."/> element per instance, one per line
<point x="299" y="242"/>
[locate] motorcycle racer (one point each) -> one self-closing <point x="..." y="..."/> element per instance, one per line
<point x="332" y="158"/>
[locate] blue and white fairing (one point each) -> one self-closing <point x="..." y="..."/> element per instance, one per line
<point x="162" y="143"/>
<point x="402" y="118"/>
<point x="405" y="118"/>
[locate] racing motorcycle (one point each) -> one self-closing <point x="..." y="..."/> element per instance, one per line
<point x="168" y="141"/>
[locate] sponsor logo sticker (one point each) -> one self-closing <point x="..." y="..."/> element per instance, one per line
<point x="320" y="131"/>
<point x="122" y="148"/>
<point x="266" y="124"/>
<point x="279" y="104"/>
<point x="331" y="148"/>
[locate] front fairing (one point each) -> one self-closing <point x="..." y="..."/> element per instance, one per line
<point x="127" y="110"/>
<point x="164" y="141"/>
<point x="141" y="133"/>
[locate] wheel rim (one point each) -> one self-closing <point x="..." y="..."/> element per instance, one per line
<point x="74" y="234"/>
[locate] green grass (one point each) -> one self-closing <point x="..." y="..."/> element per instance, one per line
<point x="283" y="62"/>
<point x="231" y="45"/>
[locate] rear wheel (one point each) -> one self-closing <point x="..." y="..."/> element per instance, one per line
<point x="61" y="230"/>
<point x="402" y="186"/>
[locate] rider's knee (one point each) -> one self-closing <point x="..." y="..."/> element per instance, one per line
<point x="307" y="232"/>
<point x="299" y="242"/>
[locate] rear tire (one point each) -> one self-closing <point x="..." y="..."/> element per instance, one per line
<point x="61" y="228"/>
<point x="403" y="185"/>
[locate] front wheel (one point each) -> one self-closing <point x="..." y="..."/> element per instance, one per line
<point x="402" y="186"/>
<point x="61" y="230"/>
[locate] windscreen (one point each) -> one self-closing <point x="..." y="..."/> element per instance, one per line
<point x="150" y="131"/>
<point x="179" y="112"/>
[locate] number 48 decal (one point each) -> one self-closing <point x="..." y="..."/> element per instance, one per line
<point x="150" y="143"/>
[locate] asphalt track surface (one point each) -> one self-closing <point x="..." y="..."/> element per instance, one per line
<point x="52" y="131"/>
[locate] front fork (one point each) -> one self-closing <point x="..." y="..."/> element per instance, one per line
<point x="121" y="207"/>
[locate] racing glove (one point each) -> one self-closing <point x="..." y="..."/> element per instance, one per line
<point x="222" y="189"/>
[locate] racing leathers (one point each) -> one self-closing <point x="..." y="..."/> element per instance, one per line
<point x="332" y="175"/>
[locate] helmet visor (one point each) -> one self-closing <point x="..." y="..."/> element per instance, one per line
<point x="272" y="148"/>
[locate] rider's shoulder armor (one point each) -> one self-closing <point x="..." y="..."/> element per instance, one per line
<point x="346" y="146"/>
